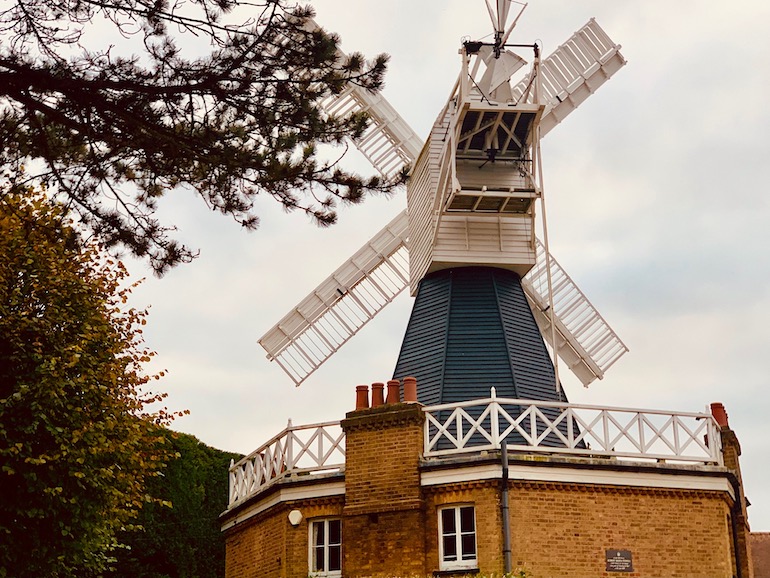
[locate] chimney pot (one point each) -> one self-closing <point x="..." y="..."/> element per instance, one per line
<point x="719" y="413"/>
<point x="394" y="391"/>
<point x="410" y="389"/>
<point x="377" y="394"/>
<point x="362" y="397"/>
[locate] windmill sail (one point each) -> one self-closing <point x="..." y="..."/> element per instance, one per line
<point x="340" y="306"/>
<point x="585" y="342"/>
<point x="573" y="72"/>
<point x="349" y="298"/>
<point x="388" y="143"/>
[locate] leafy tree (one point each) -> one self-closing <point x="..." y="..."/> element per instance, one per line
<point x="183" y="540"/>
<point x="77" y="439"/>
<point x="112" y="128"/>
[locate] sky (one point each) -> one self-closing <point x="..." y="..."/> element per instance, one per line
<point x="658" y="207"/>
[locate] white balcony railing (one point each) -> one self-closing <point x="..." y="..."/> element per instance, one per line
<point x="535" y="426"/>
<point x="484" y="424"/>
<point x="314" y="449"/>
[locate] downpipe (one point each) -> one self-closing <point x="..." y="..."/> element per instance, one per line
<point x="507" y="562"/>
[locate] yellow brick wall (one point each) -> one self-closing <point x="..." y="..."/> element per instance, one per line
<point x="384" y="518"/>
<point x="557" y="530"/>
<point x="731" y="450"/>
<point x="563" y="530"/>
<point x="268" y="546"/>
<point x="384" y="545"/>
<point x="382" y="458"/>
<point x="254" y="548"/>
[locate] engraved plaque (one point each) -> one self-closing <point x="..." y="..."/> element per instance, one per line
<point x="619" y="561"/>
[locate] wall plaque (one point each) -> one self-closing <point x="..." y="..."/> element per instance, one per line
<point x="619" y="561"/>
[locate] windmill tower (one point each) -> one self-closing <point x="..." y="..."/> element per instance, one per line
<point x="486" y="288"/>
<point x="398" y="488"/>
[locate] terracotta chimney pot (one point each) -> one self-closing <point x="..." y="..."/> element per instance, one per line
<point x="377" y="394"/>
<point x="394" y="391"/>
<point x="362" y="397"/>
<point x="719" y="413"/>
<point x="410" y="389"/>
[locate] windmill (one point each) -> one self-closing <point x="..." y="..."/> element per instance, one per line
<point x="466" y="245"/>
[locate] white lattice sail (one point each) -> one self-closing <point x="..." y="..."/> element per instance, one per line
<point x="573" y="72"/>
<point x="340" y="306"/>
<point x="584" y="340"/>
<point x="388" y="143"/>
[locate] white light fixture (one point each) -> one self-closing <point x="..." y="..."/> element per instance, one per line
<point x="295" y="517"/>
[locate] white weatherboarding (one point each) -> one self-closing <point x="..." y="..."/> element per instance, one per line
<point x="471" y="201"/>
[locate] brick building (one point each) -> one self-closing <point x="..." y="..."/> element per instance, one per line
<point x="384" y="495"/>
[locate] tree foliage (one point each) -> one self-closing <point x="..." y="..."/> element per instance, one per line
<point x="183" y="540"/>
<point x="113" y="125"/>
<point x="78" y="440"/>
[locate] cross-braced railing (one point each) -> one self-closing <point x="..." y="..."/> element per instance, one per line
<point x="539" y="426"/>
<point x="312" y="448"/>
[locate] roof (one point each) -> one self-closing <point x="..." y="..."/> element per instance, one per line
<point x="472" y="329"/>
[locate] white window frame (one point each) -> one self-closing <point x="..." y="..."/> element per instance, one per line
<point x="326" y="545"/>
<point x="463" y="561"/>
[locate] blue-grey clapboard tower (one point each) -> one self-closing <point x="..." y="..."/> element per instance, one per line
<point x="486" y="287"/>
<point x="471" y="329"/>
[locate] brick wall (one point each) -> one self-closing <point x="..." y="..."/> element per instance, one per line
<point x="557" y="530"/>
<point x="254" y="548"/>
<point x="560" y="530"/>
<point x="760" y="554"/>
<point x="387" y="544"/>
<point x="384" y="523"/>
<point x="565" y="529"/>
<point x="268" y="546"/>
<point x="382" y="458"/>
<point x="731" y="450"/>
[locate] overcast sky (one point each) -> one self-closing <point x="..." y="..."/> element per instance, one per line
<point x="658" y="208"/>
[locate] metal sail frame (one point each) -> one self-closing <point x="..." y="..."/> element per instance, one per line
<point x="362" y="286"/>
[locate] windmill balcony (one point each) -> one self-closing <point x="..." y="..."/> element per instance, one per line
<point x="477" y="429"/>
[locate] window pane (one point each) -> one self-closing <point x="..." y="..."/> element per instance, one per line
<point x="335" y="558"/>
<point x="450" y="548"/>
<point x="318" y="559"/>
<point x="468" y="546"/>
<point x="318" y="533"/>
<point x="448" y="521"/>
<point x="335" y="532"/>
<point x="466" y="519"/>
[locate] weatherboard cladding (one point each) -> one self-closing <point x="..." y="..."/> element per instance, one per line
<point x="424" y="344"/>
<point x="471" y="329"/>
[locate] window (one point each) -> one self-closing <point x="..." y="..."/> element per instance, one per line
<point x="457" y="533"/>
<point x="325" y="555"/>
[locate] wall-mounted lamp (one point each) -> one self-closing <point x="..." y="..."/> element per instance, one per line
<point x="295" y="517"/>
